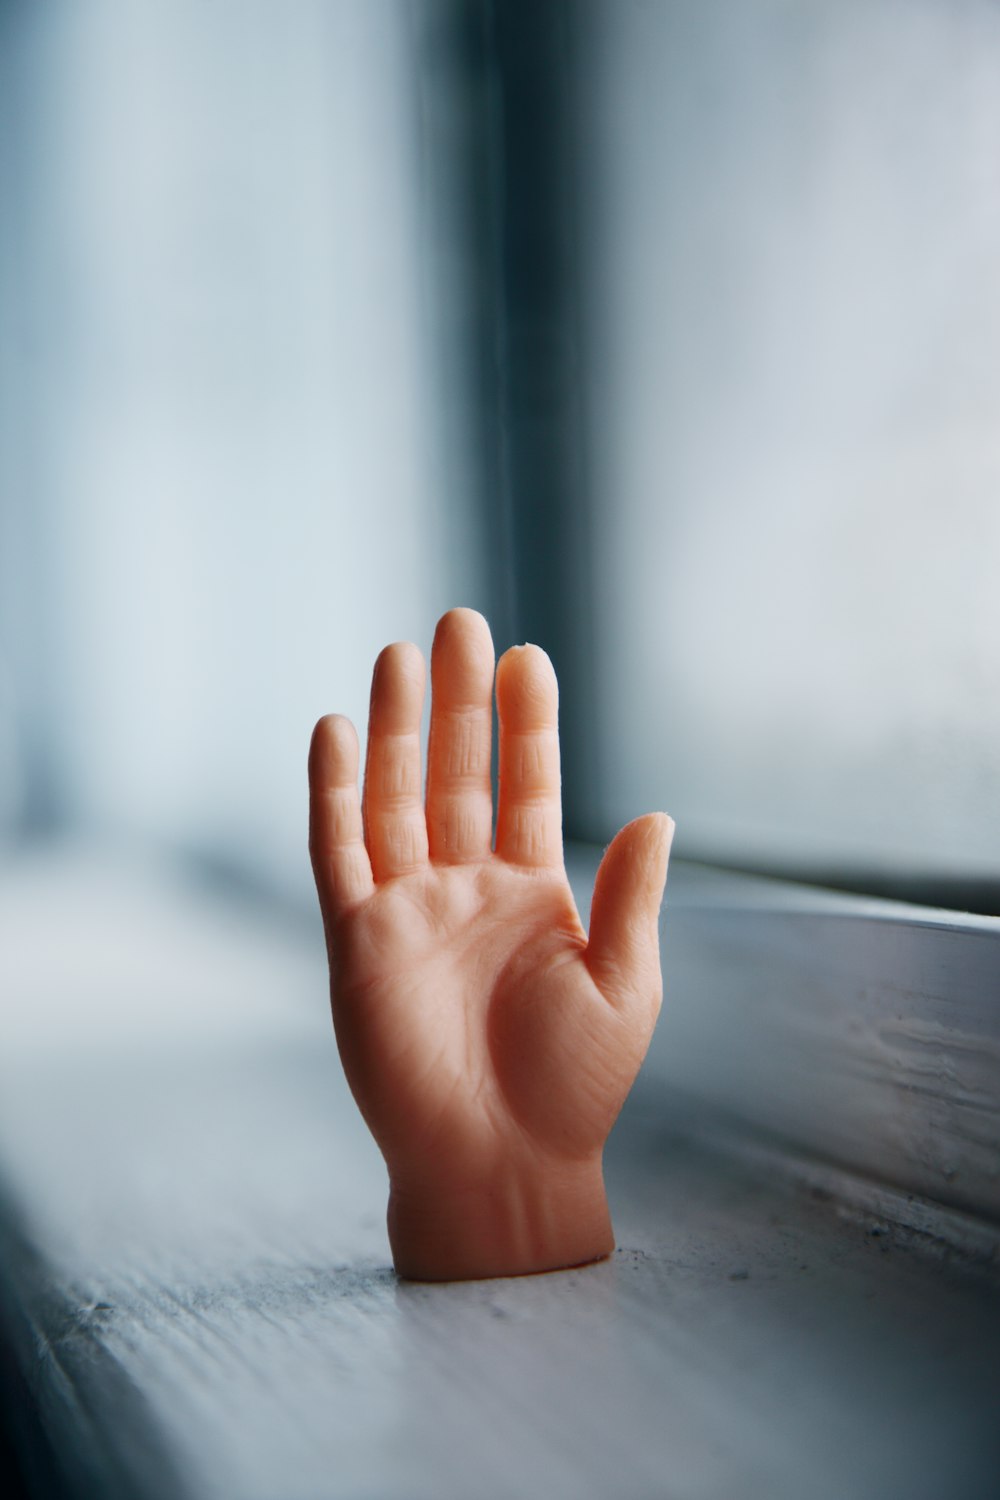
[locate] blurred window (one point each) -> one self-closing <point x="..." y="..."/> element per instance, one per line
<point x="668" y="334"/>
<point x="793" y="253"/>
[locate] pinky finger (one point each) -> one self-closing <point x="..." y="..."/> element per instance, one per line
<point x="336" y="838"/>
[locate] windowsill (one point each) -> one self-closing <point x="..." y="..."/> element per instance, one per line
<point x="194" y="1277"/>
<point x="855" y="1033"/>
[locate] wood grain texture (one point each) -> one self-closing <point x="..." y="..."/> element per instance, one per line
<point x="196" y="1294"/>
<point x="861" y="1032"/>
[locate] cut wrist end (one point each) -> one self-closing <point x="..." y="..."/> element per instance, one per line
<point x="509" y="1226"/>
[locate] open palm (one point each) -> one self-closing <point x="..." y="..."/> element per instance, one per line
<point x="487" y="1042"/>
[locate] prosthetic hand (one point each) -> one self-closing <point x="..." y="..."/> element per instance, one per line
<point x="489" y="1043"/>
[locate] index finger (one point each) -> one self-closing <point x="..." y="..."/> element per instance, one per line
<point x="529" y="812"/>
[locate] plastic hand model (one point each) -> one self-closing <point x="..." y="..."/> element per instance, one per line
<point x="489" y="1044"/>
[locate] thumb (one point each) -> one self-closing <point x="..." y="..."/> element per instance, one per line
<point x="623" y="951"/>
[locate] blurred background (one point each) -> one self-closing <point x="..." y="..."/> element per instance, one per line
<point x="666" y="333"/>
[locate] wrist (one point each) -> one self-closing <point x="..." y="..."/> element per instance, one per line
<point x="514" y="1222"/>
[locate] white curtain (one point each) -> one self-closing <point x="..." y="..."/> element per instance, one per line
<point x="221" y="494"/>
